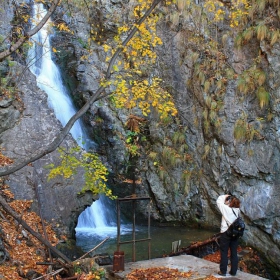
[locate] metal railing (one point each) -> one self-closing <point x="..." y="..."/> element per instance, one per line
<point x="133" y="199"/>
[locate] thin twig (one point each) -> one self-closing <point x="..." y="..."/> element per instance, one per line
<point x="94" y="248"/>
<point x="50" y="274"/>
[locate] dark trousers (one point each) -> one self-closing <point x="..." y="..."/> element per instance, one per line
<point x="226" y="243"/>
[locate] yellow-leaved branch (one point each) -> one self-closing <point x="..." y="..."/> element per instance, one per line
<point x="94" y="172"/>
<point x="133" y="84"/>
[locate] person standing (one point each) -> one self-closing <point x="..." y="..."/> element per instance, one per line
<point x="229" y="208"/>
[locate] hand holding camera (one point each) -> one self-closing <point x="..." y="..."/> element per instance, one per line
<point x="228" y="197"/>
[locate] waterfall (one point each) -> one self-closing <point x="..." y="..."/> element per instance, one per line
<point x="98" y="217"/>
<point x="49" y="77"/>
<point x="98" y="222"/>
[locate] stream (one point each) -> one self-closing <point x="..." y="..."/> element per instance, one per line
<point x="161" y="241"/>
<point x="99" y="222"/>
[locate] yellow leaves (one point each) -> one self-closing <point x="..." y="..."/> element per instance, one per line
<point x="106" y="48"/>
<point x="115" y="68"/>
<point x="132" y="88"/>
<point x="210" y="6"/>
<point x="63" y="27"/>
<point x="239" y="9"/>
<point x="144" y="95"/>
<point x="123" y="29"/>
<point x="219" y="15"/>
<point x="169" y="2"/>
<point x="95" y="173"/>
<point x="25" y="18"/>
<point x="216" y="8"/>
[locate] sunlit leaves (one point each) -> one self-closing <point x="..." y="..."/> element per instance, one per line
<point x="145" y="95"/>
<point x="238" y="10"/>
<point x="95" y="173"/>
<point x="215" y="7"/>
<point x="63" y="27"/>
<point x="133" y="87"/>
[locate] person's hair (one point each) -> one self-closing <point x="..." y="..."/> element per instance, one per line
<point x="235" y="203"/>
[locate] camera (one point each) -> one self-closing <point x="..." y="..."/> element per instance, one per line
<point x="228" y="199"/>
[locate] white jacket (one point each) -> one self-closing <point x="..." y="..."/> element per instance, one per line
<point x="228" y="215"/>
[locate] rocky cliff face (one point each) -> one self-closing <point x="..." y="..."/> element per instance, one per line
<point x="33" y="128"/>
<point x="27" y="124"/>
<point x="215" y="161"/>
<point x="249" y="169"/>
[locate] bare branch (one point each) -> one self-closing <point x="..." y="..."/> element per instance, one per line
<point x="29" y="34"/>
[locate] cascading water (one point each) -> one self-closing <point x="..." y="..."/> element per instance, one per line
<point x="97" y="222"/>
<point x="98" y="217"/>
<point x="49" y="78"/>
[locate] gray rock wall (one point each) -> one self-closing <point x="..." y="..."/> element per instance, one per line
<point x="249" y="169"/>
<point x="36" y="127"/>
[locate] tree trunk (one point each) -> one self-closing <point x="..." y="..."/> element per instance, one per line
<point x="15" y="215"/>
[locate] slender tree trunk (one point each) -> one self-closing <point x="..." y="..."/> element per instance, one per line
<point x="17" y="217"/>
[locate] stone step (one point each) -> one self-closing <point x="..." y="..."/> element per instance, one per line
<point x="184" y="263"/>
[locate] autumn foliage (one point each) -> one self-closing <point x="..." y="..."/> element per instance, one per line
<point x="166" y="273"/>
<point x="4" y="160"/>
<point x="24" y="250"/>
<point x="154" y="273"/>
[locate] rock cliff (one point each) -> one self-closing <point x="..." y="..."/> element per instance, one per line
<point x="215" y="161"/>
